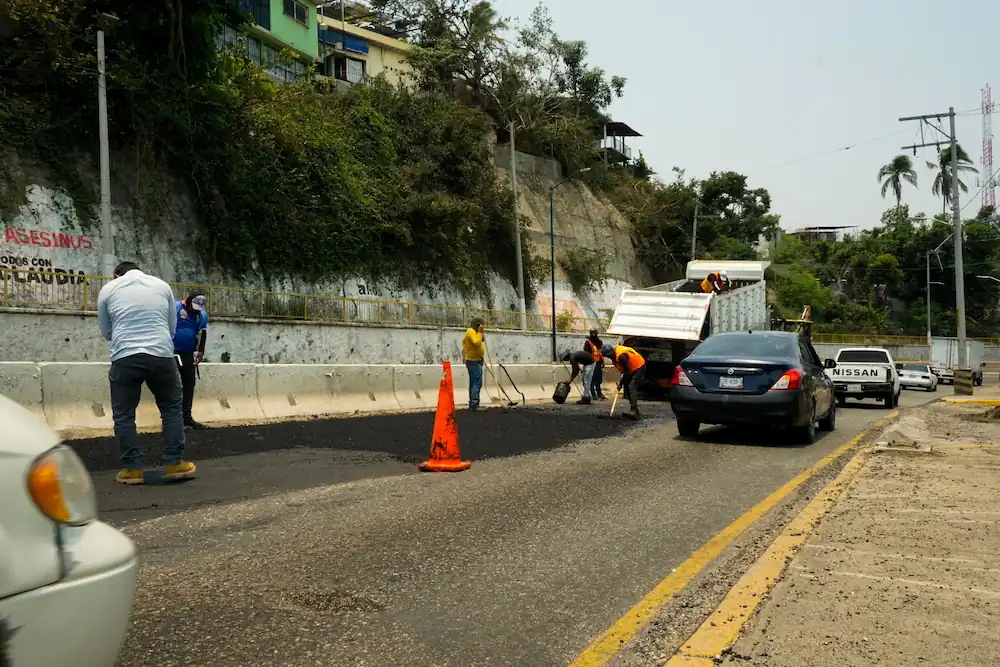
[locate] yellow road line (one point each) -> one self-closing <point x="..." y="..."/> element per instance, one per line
<point x="605" y="647"/>
<point x="721" y="629"/>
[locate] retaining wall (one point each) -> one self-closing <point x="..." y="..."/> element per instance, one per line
<point x="75" y="396"/>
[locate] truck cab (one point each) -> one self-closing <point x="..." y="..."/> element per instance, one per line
<point x="664" y="323"/>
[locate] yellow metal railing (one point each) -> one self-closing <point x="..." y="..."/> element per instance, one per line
<point x="63" y="292"/>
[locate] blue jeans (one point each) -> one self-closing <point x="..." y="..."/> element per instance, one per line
<point x="475" y="369"/>
<point x="595" y="385"/>
<point x="160" y="374"/>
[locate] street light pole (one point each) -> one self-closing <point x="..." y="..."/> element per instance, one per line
<point x="519" y="264"/>
<point x="552" y="251"/>
<point x="107" y="241"/>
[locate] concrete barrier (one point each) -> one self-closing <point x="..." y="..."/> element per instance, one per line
<point x="78" y="396"/>
<point x="21" y="382"/>
<point x="416" y="386"/>
<point x="226" y="392"/>
<point x="363" y="388"/>
<point x="297" y="390"/>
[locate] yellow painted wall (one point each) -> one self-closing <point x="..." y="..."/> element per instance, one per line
<point x="385" y="55"/>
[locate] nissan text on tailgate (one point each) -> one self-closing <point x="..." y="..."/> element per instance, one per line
<point x="865" y="372"/>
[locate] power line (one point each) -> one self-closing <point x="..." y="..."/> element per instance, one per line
<point x="828" y="152"/>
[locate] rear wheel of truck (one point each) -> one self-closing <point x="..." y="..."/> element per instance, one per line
<point x="841" y="401"/>
<point x="890" y="400"/>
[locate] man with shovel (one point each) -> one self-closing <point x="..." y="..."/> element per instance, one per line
<point x="633" y="369"/>
<point x="586" y="361"/>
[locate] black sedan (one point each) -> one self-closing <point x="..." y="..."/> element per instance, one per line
<point x="770" y="378"/>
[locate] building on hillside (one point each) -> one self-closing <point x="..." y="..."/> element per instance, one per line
<point x="356" y="44"/>
<point x="278" y="26"/>
<point x="829" y="234"/>
<point x="612" y="147"/>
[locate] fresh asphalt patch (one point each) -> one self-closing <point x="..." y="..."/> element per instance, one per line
<point x="404" y="437"/>
<point x="244" y="462"/>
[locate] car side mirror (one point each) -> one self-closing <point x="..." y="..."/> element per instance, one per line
<point x="899" y="367"/>
<point x="829" y="363"/>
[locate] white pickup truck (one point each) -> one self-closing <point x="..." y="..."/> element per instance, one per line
<point x="865" y="372"/>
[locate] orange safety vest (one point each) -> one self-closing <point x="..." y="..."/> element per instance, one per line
<point x="635" y="360"/>
<point x="594" y="351"/>
<point x="706" y="284"/>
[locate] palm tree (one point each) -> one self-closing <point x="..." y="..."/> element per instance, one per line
<point x="942" y="179"/>
<point x="892" y="175"/>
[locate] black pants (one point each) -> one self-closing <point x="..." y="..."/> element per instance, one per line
<point x="595" y="386"/>
<point x="630" y="384"/>
<point x="188" y="377"/>
<point x="127" y="375"/>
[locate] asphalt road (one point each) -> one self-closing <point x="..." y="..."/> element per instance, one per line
<point x="317" y="544"/>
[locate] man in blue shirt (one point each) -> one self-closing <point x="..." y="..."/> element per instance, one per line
<point x="189" y="347"/>
<point x="136" y="313"/>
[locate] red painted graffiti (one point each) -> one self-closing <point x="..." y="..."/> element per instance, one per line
<point x="43" y="239"/>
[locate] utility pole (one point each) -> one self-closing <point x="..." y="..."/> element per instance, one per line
<point x="929" y="303"/>
<point x="956" y="209"/>
<point x="521" y="308"/>
<point x="694" y="230"/>
<point x="104" y="21"/>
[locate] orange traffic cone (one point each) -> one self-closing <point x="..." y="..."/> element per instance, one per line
<point x="445" y="456"/>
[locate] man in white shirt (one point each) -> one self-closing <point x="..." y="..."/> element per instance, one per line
<point x="137" y="313"/>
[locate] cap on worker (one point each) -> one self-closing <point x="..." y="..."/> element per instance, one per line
<point x="723" y="275"/>
<point x="197" y="301"/>
<point x="607" y="351"/>
<point x="593" y="333"/>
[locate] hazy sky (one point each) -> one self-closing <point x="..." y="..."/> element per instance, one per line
<point x="774" y="88"/>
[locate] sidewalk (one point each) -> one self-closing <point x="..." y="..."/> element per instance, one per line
<point x="905" y="569"/>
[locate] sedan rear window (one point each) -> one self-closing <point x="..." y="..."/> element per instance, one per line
<point x="761" y="346"/>
<point x="919" y="368"/>
<point x="862" y="357"/>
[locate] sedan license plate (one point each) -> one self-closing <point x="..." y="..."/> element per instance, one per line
<point x="730" y="383"/>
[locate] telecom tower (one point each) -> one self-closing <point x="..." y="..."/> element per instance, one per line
<point x="989" y="191"/>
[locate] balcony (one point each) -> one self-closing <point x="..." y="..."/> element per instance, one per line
<point x="615" y="147"/>
<point x="260" y="10"/>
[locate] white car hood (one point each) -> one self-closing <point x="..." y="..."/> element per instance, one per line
<point x="23" y="433"/>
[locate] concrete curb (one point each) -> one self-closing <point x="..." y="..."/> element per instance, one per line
<point x="723" y="626"/>
<point x="973" y="401"/>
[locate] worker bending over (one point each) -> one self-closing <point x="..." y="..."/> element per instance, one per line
<point x="579" y="359"/>
<point x="716" y="281"/>
<point x="633" y="369"/>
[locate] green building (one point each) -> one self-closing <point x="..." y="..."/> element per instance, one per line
<point x="279" y="25"/>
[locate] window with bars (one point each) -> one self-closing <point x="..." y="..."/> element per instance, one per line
<point x="348" y="69"/>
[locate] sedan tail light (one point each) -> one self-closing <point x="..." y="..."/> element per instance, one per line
<point x="680" y="378"/>
<point x="792" y="379"/>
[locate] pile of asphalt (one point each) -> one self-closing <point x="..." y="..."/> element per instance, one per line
<point x="405" y="437"/>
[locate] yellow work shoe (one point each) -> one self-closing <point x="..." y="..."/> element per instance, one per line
<point x="130" y="477"/>
<point x="181" y="470"/>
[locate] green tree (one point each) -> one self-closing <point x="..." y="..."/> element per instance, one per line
<point x="893" y="175"/>
<point x="942" y="173"/>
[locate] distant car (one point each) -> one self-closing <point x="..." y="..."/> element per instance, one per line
<point x="67" y="580"/>
<point x="764" y="378"/>
<point x="918" y="376"/>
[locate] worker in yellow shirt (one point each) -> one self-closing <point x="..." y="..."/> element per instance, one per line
<point x="473" y="350"/>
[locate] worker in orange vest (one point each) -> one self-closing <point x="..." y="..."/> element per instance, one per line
<point x="717" y="281"/>
<point x="593" y="346"/>
<point x="633" y="369"/>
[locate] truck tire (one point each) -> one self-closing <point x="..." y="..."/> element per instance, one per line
<point x="979" y="380"/>
<point x="890" y="400"/>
